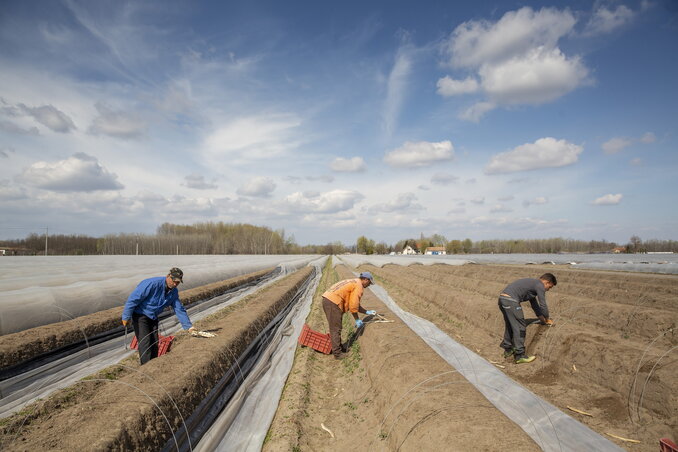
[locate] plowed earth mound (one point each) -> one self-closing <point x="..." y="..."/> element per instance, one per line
<point x="116" y="409"/>
<point x="392" y="392"/>
<point x="18" y="347"/>
<point x="612" y="352"/>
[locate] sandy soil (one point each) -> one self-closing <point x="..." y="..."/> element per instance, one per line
<point x="110" y="411"/>
<point x="611" y="353"/>
<point x="18" y="347"/>
<point x="393" y="393"/>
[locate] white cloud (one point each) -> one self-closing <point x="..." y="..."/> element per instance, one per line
<point x="11" y="192"/>
<point x="614" y="145"/>
<point x="117" y="124"/>
<point x="352" y="165"/>
<point x="500" y="208"/>
<point x="479" y="200"/>
<point x="517" y="60"/>
<point x="535" y="201"/>
<point x="253" y="138"/>
<point x="330" y="202"/>
<point x="404" y="202"/>
<point x="10" y="127"/>
<point x="475" y="43"/>
<point x="539" y="76"/>
<point x="81" y="172"/>
<point x="260" y="187"/>
<point x="419" y="154"/>
<point x="477" y="111"/>
<point x="443" y="179"/>
<point x="608" y="200"/>
<point x="648" y="137"/>
<point x="636" y="162"/>
<point x="396" y="87"/>
<point x="51" y="117"/>
<point x="198" y="182"/>
<point x="605" y="20"/>
<point x="448" y="86"/>
<point x="543" y="153"/>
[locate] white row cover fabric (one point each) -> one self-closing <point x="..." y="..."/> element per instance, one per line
<point x="39" y="290"/>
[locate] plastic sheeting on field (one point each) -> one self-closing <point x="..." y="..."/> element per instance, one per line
<point x="38" y="290"/>
<point x="549" y="427"/>
<point x="644" y="263"/>
<point x="22" y="389"/>
<point x="245" y="421"/>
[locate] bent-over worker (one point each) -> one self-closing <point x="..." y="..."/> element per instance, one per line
<point x="344" y="296"/>
<point x="526" y="289"/>
<point x="145" y="304"/>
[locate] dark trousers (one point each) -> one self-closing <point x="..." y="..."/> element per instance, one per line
<point x="334" y="315"/>
<point x="514" y="325"/>
<point x="146" y="331"/>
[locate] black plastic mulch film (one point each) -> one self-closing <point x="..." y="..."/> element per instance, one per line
<point x="211" y="406"/>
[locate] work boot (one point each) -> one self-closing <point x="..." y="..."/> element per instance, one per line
<point x="339" y="356"/>
<point x="509" y="352"/>
<point x="525" y="359"/>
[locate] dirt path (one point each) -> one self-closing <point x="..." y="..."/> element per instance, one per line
<point x="115" y="409"/>
<point x="605" y="323"/>
<point x="393" y="393"/>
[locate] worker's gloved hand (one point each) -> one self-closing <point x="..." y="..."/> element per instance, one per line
<point x="548" y="322"/>
<point x="358" y="323"/>
<point x="125" y="322"/>
<point x="371" y="312"/>
<point x="197" y="333"/>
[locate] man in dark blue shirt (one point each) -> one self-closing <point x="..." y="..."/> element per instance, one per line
<point x="527" y="289"/>
<point x="145" y="304"/>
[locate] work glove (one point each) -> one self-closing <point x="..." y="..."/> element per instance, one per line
<point x="371" y="312"/>
<point x="548" y="322"/>
<point x="125" y="322"/>
<point x="358" y="323"/>
<point x="197" y="333"/>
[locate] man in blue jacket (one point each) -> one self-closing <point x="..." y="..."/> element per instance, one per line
<point x="526" y="289"/>
<point x="145" y="304"/>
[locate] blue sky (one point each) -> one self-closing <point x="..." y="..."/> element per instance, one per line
<point x="333" y="120"/>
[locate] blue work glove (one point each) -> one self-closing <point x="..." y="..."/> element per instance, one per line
<point x="371" y="312"/>
<point x="358" y="323"/>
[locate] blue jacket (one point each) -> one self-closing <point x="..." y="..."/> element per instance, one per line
<point x="149" y="299"/>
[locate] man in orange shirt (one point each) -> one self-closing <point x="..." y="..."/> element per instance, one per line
<point x="345" y="296"/>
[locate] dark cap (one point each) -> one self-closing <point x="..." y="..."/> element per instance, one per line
<point x="176" y="273"/>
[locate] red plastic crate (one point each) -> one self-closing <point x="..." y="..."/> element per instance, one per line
<point x="164" y="344"/>
<point x="317" y="341"/>
<point x="666" y="445"/>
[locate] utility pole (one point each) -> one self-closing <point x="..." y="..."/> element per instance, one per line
<point x="46" y="235"/>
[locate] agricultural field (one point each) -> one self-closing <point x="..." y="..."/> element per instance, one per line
<point x="611" y="355"/>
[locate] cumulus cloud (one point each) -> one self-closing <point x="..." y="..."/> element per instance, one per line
<point x="11" y="192"/>
<point x="517" y="60"/>
<point x="605" y="20"/>
<point x="498" y="208"/>
<point x="326" y="203"/>
<point x="420" y="154"/>
<point x="47" y="115"/>
<point x="535" y="201"/>
<point x="198" y="182"/>
<point x="614" y="145"/>
<point x="608" y="200"/>
<point x="117" y="124"/>
<point x="352" y="165"/>
<point x="443" y="179"/>
<point x="404" y="202"/>
<point x="543" y="153"/>
<point x="447" y="86"/>
<point x="80" y="172"/>
<point x="476" y="111"/>
<point x="259" y="187"/>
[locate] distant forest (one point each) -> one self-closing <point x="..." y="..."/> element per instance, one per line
<point x="239" y="238"/>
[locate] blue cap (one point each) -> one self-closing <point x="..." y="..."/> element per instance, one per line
<point x="367" y="275"/>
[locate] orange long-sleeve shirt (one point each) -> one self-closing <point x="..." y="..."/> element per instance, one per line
<point x="346" y="294"/>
